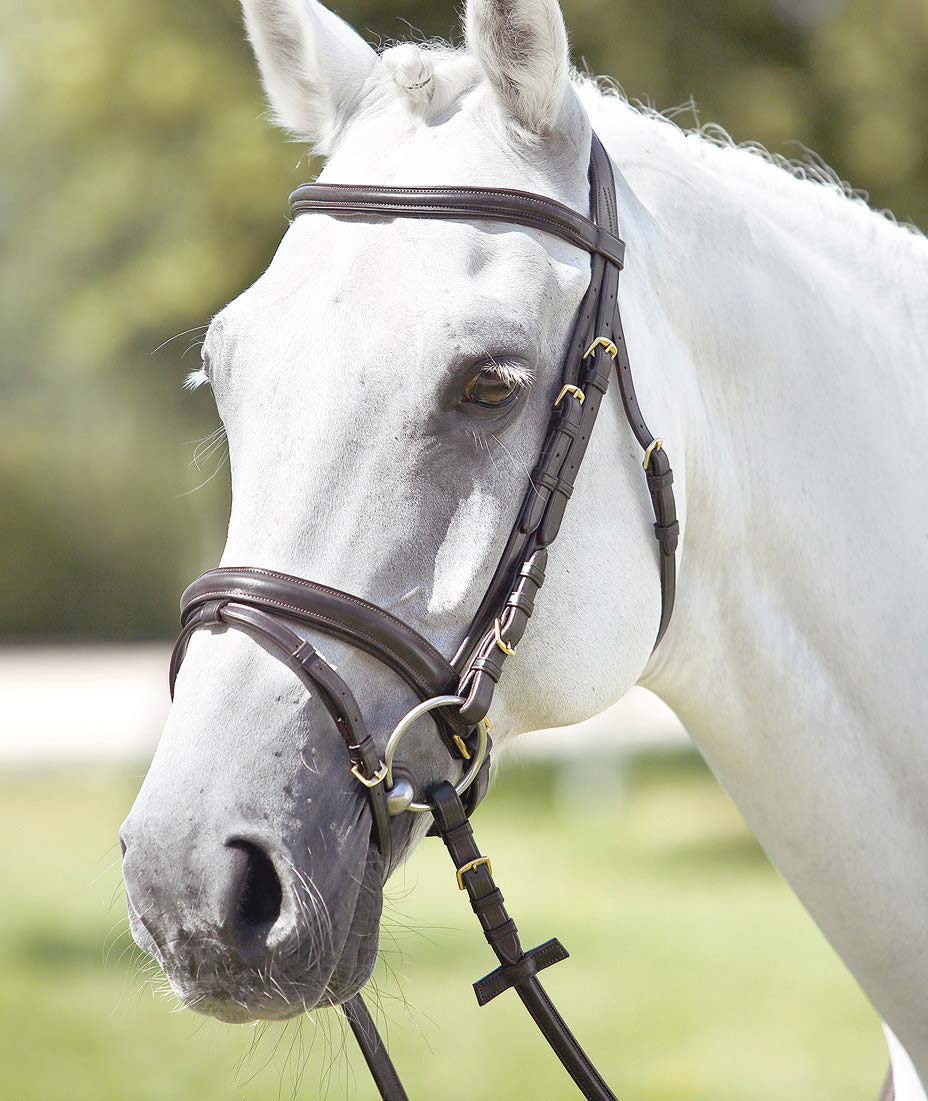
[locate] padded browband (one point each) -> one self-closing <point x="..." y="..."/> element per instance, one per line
<point x="483" y="203"/>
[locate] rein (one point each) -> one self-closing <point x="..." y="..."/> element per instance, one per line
<point x="458" y="692"/>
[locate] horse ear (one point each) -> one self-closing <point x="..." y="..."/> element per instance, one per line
<point x="523" y="48"/>
<point x="315" y="68"/>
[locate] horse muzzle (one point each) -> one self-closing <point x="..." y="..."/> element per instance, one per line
<point x="243" y="932"/>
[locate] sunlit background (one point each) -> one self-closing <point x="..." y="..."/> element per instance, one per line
<point x="141" y="188"/>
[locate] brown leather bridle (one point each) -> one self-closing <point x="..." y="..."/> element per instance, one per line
<point x="459" y="692"/>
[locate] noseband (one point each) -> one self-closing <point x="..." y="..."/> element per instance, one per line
<point x="458" y="692"/>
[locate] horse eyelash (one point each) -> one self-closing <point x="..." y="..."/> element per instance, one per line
<point x="196" y="379"/>
<point x="513" y="374"/>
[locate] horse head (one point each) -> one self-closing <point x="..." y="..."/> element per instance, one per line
<point x="385" y="387"/>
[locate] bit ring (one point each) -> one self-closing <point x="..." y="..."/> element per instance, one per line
<point x="407" y="721"/>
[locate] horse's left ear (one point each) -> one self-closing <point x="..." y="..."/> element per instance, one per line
<point x="316" y="69"/>
<point x="523" y="48"/>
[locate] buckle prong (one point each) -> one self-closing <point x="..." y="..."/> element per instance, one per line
<point x="574" y="391"/>
<point x="602" y="342"/>
<point x="370" y="781"/>
<point x="462" y="747"/>
<point x="655" y="445"/>
<point x="500" y="641"/>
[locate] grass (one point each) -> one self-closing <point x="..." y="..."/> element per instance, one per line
<point x="695" y="974"/>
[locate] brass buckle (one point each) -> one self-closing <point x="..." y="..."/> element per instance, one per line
<point x="500" y="641"/>
<point x="462" y="746"/>
<point x="655" y="445"/>
<point x="369" y="781"/>
<point x="574" y="391"/>
<point x="602" y="342"/>
<point x="484" y="861"/>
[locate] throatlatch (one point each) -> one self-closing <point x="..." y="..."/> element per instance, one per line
<point x="458" y="693"/>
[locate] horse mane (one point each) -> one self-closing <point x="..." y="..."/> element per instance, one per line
<point x="605" y="99"/>
<point x="432" y="74"/>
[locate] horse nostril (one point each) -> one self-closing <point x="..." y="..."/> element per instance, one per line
<point x="259" y="891"/>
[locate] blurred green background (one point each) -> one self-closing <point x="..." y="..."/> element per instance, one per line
<point x="695" y="975"/>
<point x="141" y="188"/>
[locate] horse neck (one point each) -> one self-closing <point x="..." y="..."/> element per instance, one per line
<point x="780" y="369"/>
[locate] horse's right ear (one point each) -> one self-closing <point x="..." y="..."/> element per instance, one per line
<point x="522" y="46"/>
<point x="315" y="68"/>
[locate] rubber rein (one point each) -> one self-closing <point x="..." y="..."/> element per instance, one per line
<point x="458" y="691"/>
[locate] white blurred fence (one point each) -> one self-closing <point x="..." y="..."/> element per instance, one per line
<point x="80" y="705"/>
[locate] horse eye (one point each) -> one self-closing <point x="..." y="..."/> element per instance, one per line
<point x="491" y="391"/>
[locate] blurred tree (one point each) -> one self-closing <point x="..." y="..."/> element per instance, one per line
<point x="143" y="188"/>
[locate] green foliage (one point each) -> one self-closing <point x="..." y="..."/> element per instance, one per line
<point x="693" y="977"/>
<point x="142" y="189"/>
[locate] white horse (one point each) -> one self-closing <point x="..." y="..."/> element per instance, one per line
<point x="779" y="335"/>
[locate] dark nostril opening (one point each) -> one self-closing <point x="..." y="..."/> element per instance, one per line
<point x="260" y="893"/>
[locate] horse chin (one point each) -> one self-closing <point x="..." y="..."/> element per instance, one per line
<point x="359" y="954"/>
<point x="220" y="1008"/>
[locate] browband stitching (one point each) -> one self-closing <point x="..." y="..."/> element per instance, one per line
<point x="244" y="598"/>
<point x="502" y="192"/>
<point x="577" y="236"/>
<point x="587" y="235"/>
<point x="316" y="587"/>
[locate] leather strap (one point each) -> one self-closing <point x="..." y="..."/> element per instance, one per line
<point x="486" y="667"/>
<point x="518" y="970"/>
<point x="372" y="1048"/>
<point x="563" y="430"/>
<point x="318" y="676"/>
<point x="347" y="617"/>
<point x="598" y="339"/>
<point x="468" y="203"/>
